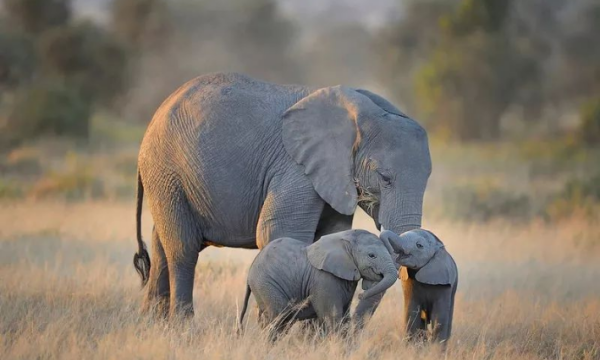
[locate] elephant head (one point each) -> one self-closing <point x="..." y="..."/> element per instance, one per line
<point x="355" y="254"/>
<point x="422" y="251"/>
<point x="358" y="149"/>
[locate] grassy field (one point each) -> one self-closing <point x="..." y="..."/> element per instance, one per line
<point x="521" y="221"/>
<point x="68" y="290"/>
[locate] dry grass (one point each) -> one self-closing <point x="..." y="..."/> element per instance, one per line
<point x="68" y="290"/>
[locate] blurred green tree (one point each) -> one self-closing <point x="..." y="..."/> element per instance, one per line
<point x="141" y="24"/>
<point x="478" y="15"/>
<point x="462" y="65"/>
<point x="263" y="38"/>
<point x="579" y="70"/>
<point x="476" y="72"/>
<point x="17" y="59"/>
<point x="86" y="57"/>
<point x="251" y="37"/>
<point x="55" y="71"/>
<point x="406" y="44"/>
<point x="36" y="16"/>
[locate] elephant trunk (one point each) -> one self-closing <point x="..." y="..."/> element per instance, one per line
<point x="405" y="223"/>
<point x="389" y="278"/>
<point x="405" y="228"/>
<point x="403" y="213"/>
<point x="385" y="238"/>
<point x="393" y="239"/>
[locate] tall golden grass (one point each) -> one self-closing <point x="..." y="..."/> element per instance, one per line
<point x="68" y="290"/>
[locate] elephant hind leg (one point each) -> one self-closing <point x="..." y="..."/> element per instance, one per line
<point x="276" y="315"/>
<point x="181" y="280"/>
<point x="182" y="242"/>
<point x="157" y="292"/>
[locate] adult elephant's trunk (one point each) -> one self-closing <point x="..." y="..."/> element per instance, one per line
<point x="402" y="213"/>
<point x="389" y="278"/>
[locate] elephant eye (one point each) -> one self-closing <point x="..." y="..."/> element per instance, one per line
<point x="372" y="256"/>
<point x="419" y="245"/>
<point x="386" y="179"/>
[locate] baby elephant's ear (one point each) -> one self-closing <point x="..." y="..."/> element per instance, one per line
<point x="332" y="254"/>
<point x="440" y="270"/>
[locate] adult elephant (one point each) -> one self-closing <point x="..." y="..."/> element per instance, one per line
<point x="232" y="161"/>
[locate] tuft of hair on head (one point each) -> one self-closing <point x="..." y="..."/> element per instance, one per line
<point x="366" y="198"/>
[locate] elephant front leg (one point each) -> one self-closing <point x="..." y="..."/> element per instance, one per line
<point x="331" y="222"/>
<point x="291" y="209"/>
<point x="331" y="315"/>
<point x="441" y="319"/>
<point x="365" y="309"/>
<point x="415" y="324"/>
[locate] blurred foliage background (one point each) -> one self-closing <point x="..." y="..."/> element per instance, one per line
<point x="508" y="90"/>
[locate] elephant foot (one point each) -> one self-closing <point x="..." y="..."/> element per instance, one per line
<point x="157" y="308"/>
<point x="183" y="314"/>
<point x="418" y="337"/>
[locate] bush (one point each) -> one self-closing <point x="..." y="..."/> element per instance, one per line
<point x="589" y="132"/>
<point x="48" y="108"/>
<point x="578" y="198"/>
<point x="10" y="190"/>
<point x="24" y="162"/>
<point x="75" y="180"/>
<point x="17" y="58"/>
<point x="485" y="202"/>
<point x="71" y="185"/>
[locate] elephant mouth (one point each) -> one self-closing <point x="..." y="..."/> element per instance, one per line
<point x="378" y="274"/>
<point x="402" y="255"/>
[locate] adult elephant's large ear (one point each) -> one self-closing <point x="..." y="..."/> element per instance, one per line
<point x="382" y="102"/>
<point x="321" y="132"/>
<point x="331" y="253"/>
<point x="440" y="270"/>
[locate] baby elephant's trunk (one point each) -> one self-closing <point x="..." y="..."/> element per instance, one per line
<point x="389" y="278"/>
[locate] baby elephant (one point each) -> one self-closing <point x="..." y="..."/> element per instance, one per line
<point x="293" y="281"/>
<point x="429" y="280"/>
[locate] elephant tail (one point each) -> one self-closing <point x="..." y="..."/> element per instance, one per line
<point x="141" y="260"/>
<point x="240" y="328"/>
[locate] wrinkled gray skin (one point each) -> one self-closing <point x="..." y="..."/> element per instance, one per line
<point x="429" y="280"/>
<point x="232" y="161"/>
<point x="287" y="272"/>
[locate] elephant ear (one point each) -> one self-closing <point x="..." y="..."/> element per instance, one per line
<point x="332" y="254"/>
<point x="440" y="270"/>
<point x="321" y="132"/>
<point x="382" y="103"/>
